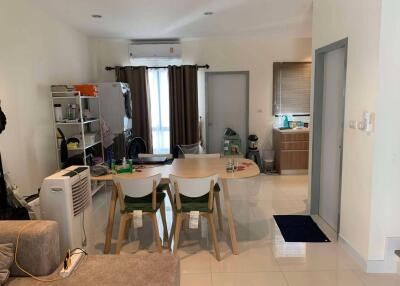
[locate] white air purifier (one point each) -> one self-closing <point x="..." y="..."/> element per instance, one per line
<point x="66" y="198"/>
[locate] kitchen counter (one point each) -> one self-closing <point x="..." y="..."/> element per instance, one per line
<point x="295" y="130"/>
<point x="291" y="150"/>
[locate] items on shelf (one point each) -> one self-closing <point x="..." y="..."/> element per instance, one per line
<point x="58" y="114"/>
<point x="87" y="89"/>
<point x="62" y="88"/>
<point x="79" y="139"/>
<point x="79" y="89"/>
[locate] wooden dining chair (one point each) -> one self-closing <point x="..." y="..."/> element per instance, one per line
<point x="140" y="194"/>
<point x="162" y="186"/>
<point x="217" y="188"/>
<point x="193" y="194"/>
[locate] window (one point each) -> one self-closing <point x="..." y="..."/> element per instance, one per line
<point x="159" y="101"/>
<point x="291" y="88"/>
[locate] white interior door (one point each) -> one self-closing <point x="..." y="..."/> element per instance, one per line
<point x="227" y="106"/>
<point x="332" y="132"/>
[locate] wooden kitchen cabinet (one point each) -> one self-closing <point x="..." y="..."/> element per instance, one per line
<point x="291" y="150"/>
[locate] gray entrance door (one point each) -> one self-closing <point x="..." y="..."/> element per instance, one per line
<point x="332" y="133"/>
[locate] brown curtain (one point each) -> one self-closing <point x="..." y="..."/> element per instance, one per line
<point x="138" y="82"/>
<point x="183" y="105"/>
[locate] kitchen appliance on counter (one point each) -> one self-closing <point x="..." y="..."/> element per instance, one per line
<point x="253" y="142"/>
<point x="253" y="153"/>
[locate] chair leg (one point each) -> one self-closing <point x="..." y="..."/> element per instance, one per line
<point x="127" y="227"/>
<point x="156" y="234"/>
<point x="122" y="226"/>
<point x="171" y="234"/>
<point x="219" y="212"/>
<point x="178" y="225"/>
<point x="214" y="235"/>
<point x="171" y="200"/>
<point x="164" y="221"/>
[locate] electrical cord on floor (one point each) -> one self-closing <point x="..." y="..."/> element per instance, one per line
<point x="81" y="251"/>
<point x="73" y="252"/>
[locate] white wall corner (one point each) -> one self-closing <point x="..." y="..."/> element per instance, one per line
<point x="390" y="261"/>
<point x="353" y="253"/>
<point x="390" y="264"/>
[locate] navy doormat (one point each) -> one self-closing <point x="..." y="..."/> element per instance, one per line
<point x="299" y="228"/>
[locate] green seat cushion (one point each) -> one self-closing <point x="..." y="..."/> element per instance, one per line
<point x="194" y="204"/>
<point x="143" y="203"/>
<point x="162" y="187"/>
<point x="217" y="188"/>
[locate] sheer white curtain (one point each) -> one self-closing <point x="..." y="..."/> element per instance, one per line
<point x="159" y="100"/>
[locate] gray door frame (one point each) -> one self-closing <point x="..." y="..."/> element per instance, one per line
<point x="247" y="74"/>
<point x="317" y="123"/>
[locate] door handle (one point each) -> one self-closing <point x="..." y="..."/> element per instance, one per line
<point x="210" y="124"/>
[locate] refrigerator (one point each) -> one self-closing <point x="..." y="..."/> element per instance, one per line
<point x="116" y="113"/>
<point x="116" y="106"/>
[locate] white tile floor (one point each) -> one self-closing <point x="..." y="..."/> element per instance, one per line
<point x="265" y="258"/>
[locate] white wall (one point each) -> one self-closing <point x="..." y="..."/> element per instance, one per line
<point x="229" y="54"/>
<point x="385" y="211"/>
<point x="359" y="20"/>
<point x="35" y="52"/>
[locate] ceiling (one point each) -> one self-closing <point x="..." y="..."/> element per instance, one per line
<point x="143" y="19"/>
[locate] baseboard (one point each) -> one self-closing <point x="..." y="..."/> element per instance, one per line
<point x="295" y="172"/>
<point x="353" y="253"/>
<point x="388" y="265"/>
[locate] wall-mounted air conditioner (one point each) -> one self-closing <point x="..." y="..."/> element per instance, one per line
<point x="150" y="49"/>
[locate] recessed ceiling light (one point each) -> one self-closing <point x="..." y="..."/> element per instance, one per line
<point x="208" y="13"/>
<point x="96" y="16"/>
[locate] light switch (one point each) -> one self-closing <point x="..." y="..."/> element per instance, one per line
<point x="353" y="124"/>
<point x="361" y="125"/>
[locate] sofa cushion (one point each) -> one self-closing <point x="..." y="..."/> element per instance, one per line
<point x="39" y="245"/>
<point x="114" y="270"/>
<point x="6" y="259"/>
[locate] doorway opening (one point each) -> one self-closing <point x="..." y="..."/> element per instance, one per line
<point x="328" y="126"/>
<point x="227" y="106"/>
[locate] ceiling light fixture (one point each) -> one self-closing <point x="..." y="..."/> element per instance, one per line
<point x="208" y="13"/>
<point x="96" y="16"/>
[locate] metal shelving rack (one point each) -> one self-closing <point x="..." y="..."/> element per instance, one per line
<point x="77" y="98"/>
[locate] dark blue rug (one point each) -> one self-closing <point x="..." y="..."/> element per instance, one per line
<point x="299" y="228"/>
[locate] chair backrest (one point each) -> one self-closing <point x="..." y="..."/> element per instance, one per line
<point x="202" y="156"/>
<point x="193" y="187"/>
<point x="188" y="149"/>
<point x="137" y="188"/>
<point x="145" y="155"/>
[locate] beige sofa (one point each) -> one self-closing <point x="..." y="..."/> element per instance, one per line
<point x="38" y="253"/>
